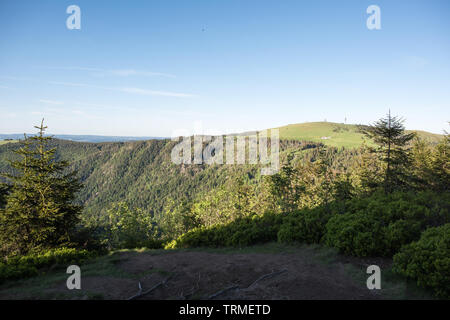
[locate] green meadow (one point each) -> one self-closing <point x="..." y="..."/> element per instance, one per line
<point x="7" y="141"/>
<point x="336" y="134"/>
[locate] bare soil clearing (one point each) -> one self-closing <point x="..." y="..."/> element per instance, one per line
<point x="201" y="274"/>
<point x="260" y="273"/>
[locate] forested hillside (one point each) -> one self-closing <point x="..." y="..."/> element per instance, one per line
<point x="140" y="173"/>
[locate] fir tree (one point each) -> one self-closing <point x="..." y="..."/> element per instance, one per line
<point x="343" y="188"/>
<point x="393" y="149"/>
<point x="366" y="171"/>
<point x="321" y="182"/>
<point x="285" y="188"/>
<point x="440" y="165"/>
<point x="4" y="190"/>
<point x="39" y="211"/>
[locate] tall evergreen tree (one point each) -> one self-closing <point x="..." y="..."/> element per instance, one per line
<point x="393" y="149"/>
<point x="366" y="171"/>
<point x="321" y="177"/>
<point x="39" y="211"/>
<point x="4" y="189"/>
<point x="285" y="188"/>
<point x="440" y="165"/>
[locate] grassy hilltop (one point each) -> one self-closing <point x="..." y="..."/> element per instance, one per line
<point x="7" y="141"/>
<point x="335" y="134"/>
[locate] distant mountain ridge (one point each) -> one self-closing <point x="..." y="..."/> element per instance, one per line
<point x="84" y="138"/>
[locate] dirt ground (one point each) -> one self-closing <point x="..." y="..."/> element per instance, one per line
<point x="258" y="273"/>
<point x="289" y="276"/>
<point x="214" y="275"/>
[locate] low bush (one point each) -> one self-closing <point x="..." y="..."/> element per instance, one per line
<point x="32" y="264"/>
<point x="356" y="234"/>
<point x="428" y="260"/>
<point x="88" y="238"/>
<point x="379" y="225"/>
<point x="306" y="226"/>
<point x="241" y="232"/>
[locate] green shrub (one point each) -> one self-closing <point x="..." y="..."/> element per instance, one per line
<point x="400" y="232"/>
<point x="130" y="228"/>
<point x="379" y="225"/>
<point x="241" y="232"/>
<point x="306" y="226"/>
<point x="88" y="238"/>
<point x="428" y="260"/>
<point x="27" y="266"/>
<point x="357" y="234"/>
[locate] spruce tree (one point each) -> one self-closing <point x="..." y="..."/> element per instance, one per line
<point x="285" y="188"/>
<point x="439" y="166"/>
<point x="393" y="150"/>
<point x="367" y="171"/>
<point x="4" y="189"/>
<point x="321" y="182"/>
<point x="39" y="211"/>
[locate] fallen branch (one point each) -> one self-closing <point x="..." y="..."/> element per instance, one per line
<point x="140" y="294"/>
<point x="223" y="291"/>
<point x="269" y="275"/>
<point x="232" y="287"/>
<point x="194" y="289"/>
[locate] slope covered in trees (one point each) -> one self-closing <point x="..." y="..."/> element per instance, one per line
<point x="140" y="173"/>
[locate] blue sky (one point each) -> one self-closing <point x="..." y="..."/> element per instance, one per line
<point x="147" y="68"/>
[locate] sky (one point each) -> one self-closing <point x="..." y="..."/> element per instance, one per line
<point x="149" y="68"/>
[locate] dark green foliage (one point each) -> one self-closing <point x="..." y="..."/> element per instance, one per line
<point x="379" y="225"/>
<point x="428" y="260"/>
<point x="376" y="225"/>
<point x="4" y="190"/>
<point x="89" y="238"/>
<point x="356" y="234"/>
<point x="283" y="187"/>
<point x="130" y="228"/>
<point x="389" y="134"/>
<point x="440" y="166"/>
<point x="39" y="212"/>
<point x="241" y="232"/>
<point x="431" y="165"/>
<point x="310" y="178"/>
<point x="35" y="263"/>
<point x="368" y="226"/>
<point x="305" y="226"/>
<point x="343" y="188"/>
